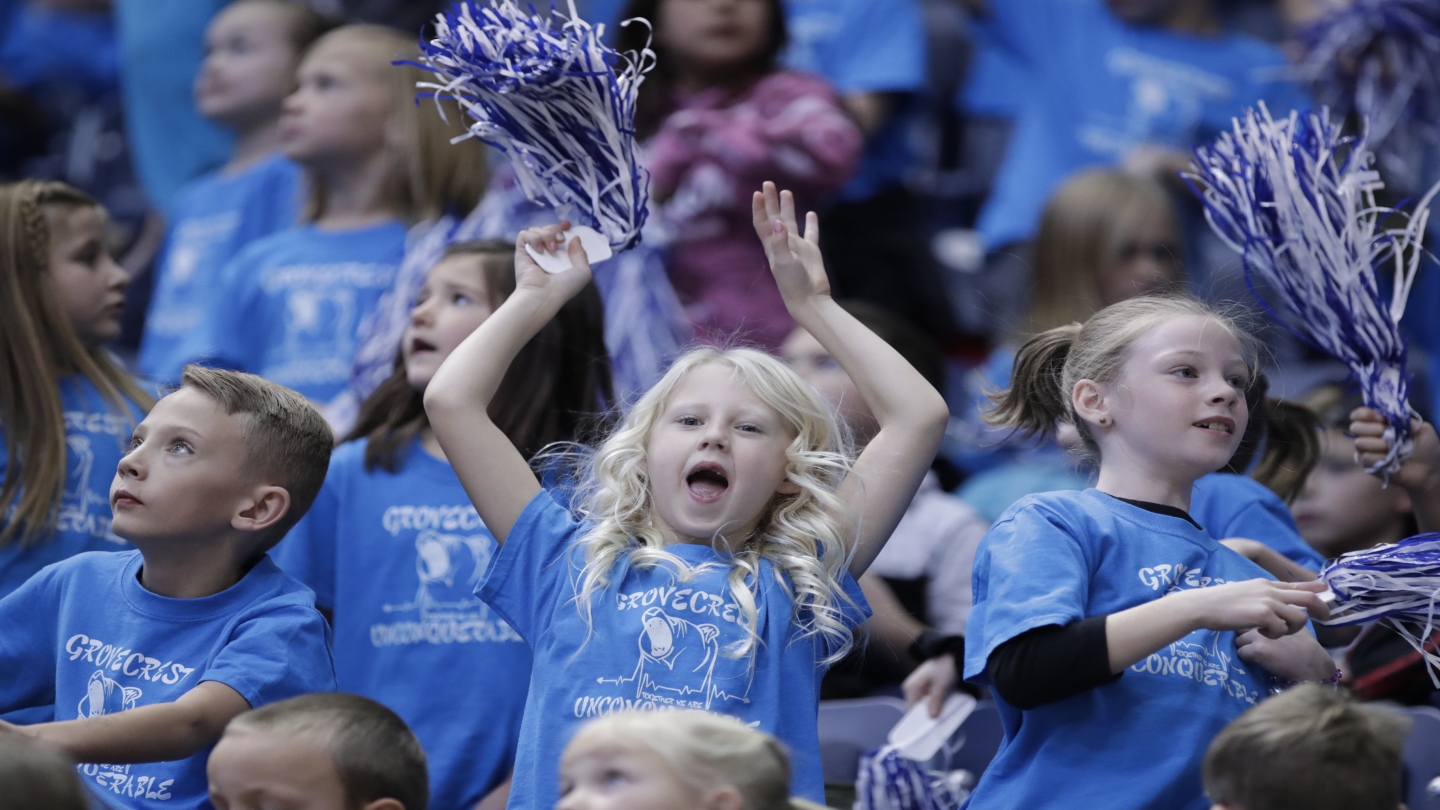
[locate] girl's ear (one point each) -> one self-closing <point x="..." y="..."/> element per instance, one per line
<point x="1088" y="398"/>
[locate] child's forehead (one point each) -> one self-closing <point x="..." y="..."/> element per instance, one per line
<point x="1189" y="334"/>
<point x="189" y="407"/>
<point x="718" y="384"/>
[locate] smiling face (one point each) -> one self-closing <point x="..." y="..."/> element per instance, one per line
<point x="452" y="304"/>
<point x="254" y="770"/>
<point x="338" y="115"/>
<point x="1178" y="407"/>
<point x="87" y="283"/>
<point x="597" y="775"/>
<point x="715" y="457"/>
<point x="178" y="479"/>
<point x="249" y="64"/>
<point x="712" y="37"/>
<point x="1342" y="508"/>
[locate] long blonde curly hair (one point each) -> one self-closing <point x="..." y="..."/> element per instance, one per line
<point x="802" y="535"/>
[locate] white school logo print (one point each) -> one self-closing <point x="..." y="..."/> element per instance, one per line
<point x="1200" y="656"/>
<point x="81" y="509"/>
<point x="104" y="696"/>
<point x="448" y="566"/>
<point x="679" y="655"/>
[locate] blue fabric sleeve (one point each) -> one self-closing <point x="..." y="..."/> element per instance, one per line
<point x="880" y="48"/>
<point x="1023" y="26"/>
<point x="1271" y="523"/>
<point x="231" y="326"/>
<point x="28" y="646"/>
<point x="530" y="575"/>
<point x="278" y="654"/>
<point x="1029" y="572"/>
<point x="308" y="552"/>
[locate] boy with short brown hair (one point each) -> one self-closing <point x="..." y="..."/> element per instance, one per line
<point x="320" y="752"/>
<point x="144" y="656"/>
<point x="1310" y="748"/>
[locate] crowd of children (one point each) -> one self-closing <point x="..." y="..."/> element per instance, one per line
<point x="379" y="514"/>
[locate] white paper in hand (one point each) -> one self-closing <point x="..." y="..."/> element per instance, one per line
<point x="919" y="736"/>
<point x="597" y="249"/>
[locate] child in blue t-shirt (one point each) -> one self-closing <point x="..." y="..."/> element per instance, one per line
<point x="720" y="526"/>
<point x="67" y="408"/>
<point x="143" y="656"/>
<point x="1117" y="635"/>
<point x="394" y="549"/>
<point x="252" y="48"/>
<point x="291" y="306"/>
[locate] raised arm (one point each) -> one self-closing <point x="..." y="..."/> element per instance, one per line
<point x="911" y="414"/>
<point x="495" y="475"/>
<point x="157" y="733"/>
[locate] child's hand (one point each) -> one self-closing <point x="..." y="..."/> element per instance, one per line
<point x="935" y="679"/>
<point x="1275" y="609"/>
<point x="1420" y="473"/>
<point x="794" y="257"/>
<point x="550" y="239"/>
<point x="1297" y="657"/>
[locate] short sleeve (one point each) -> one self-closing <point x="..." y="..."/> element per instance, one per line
<point x="531" y="573"/>
<point x="231" y="329"/>
<point x="308" y="552"/>
<point x="1271" y="523"/>
<point x="275" y="655"/>
<point x="28" y="645"/>
<point x="1030" y="572"/>
<point x="880" y="47"/>
<point x="1024" y="27"/>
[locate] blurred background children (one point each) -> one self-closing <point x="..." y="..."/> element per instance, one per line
<point x="394" y="548"/>
<point x="294" y="302"/>
<point x="319" y="752"/>
<point x="252" y="50"/>
<point x="718" y="117"/>
<point x="66" y="408"/>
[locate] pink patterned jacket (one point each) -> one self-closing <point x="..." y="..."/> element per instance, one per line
<point x="709" y="156"/>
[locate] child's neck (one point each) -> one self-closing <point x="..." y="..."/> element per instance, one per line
<point x="1151" y="486"/>
<point x="184" y="569"/>
<point x="253" y="143"/>
<point x="355" y="194"/>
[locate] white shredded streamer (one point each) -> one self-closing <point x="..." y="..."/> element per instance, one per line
<point x="889" y="780"/>
<point x="1397" y="583"/>
<point x="550" y="98"/>
<point x="1297" y="201"/>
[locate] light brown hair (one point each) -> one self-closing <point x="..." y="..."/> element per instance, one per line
<point x="304" y="24"/>
<point x="287" y="441"/>
<point x="554" y="391"/>
<point x="33" y="775"/>
<point x="1310" y="748"/>
<point x="376" y="755"/>
<point x="704" y="750"/>
<point x="1049" y="365"/>
<point x="38" y="346"/>
<point x="429" y="176"/>
<point x="1082" y="229"/>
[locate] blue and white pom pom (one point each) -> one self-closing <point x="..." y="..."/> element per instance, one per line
<point x="889" y="780"/>
<point x="543" y="89"/>
<point x="1381" y="60"/>
<point x="1398" y="583"/>
<point x="1297" y="201"/>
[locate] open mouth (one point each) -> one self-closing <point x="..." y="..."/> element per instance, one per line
<point x="707" y="482"/>
<point x="420" y="345"/>
<point x="1221" y="425"/>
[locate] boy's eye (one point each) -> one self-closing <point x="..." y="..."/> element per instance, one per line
<point x="135" y="442"/>
<point x="180" y="448"/>
<point x="615" y="777"/>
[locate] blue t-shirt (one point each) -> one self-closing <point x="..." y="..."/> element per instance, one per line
<point x="1135" y="743"/>
<point x="116" y="646"/>
<point x="396" y="557"/>
<point x="658" y="641"/>
<point x="1100" y="87"/>
<point x="95" y="439"/>
<point x="293" y="304"/>
<point x="213" y="219"/>
<point x="864" y="46"/>
<point x="1239" y="506"/>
